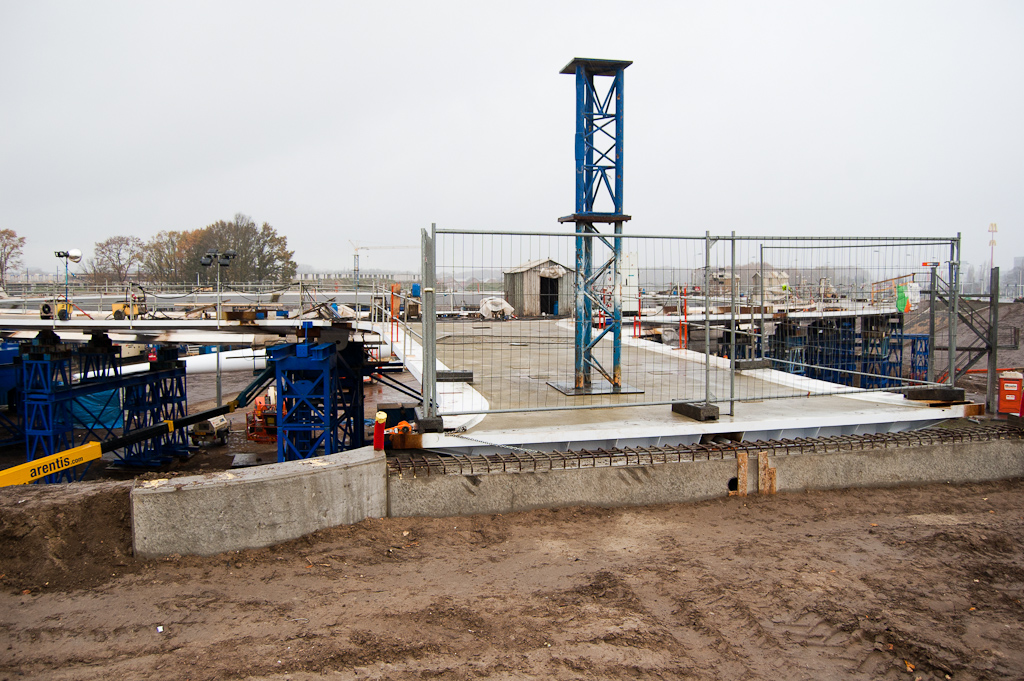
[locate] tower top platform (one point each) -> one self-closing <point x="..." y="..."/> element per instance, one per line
<point x="599" y="67"/>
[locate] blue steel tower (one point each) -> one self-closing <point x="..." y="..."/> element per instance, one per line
<point x="599" y="181"/>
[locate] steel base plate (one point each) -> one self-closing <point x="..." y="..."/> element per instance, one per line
<point x="600" y="388"/>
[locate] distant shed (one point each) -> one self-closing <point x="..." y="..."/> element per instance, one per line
<point x="540" y="287"/>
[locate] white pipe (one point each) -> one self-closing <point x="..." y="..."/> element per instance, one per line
<point x="231" y="360"/>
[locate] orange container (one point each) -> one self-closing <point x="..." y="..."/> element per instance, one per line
<point x="1010" y="392"/>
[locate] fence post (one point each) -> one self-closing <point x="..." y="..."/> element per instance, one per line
<point x="707" y="318"/>
<point x="760" y="331"/>
<point x="992" y="396"/>
<point x="733" y="327"/>
<point x="429" y="323"/>
<point x="954" y="297"/>
<point x="933" y="298"/>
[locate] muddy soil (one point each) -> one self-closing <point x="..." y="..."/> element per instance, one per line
<point x="914" y="583"/>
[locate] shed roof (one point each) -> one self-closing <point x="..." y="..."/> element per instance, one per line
<point x="532" y="264"/>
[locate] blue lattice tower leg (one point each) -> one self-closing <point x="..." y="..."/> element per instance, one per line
<point x="149" y="399"/>
<point x="173" y="398"/>
<point x="894" y="362"/>
<point x="307" y="406"/>
<point x="350" y="396"/>
<point x="46" y="379"/>
<point x="99" y="357"/>
<point x="919" y="351"/>
<point x="599" y="193"/>
<point x="141" y="409"/>
<point x="874" y="342"/>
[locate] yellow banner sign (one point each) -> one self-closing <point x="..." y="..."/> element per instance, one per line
<point x="40" y="468"/>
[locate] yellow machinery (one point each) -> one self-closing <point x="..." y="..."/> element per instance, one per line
<point x="133" y="306"/>
<point x="126" y="310"/>
<point x="60" y="310"/>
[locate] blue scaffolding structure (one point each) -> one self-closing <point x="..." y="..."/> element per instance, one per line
<point x="320" y="398"/>
<point x="788" y="343"/>
<point x="832" y="350"/>
<point x="160" y="396"/>
<point x="599" y="184"/>
<point x="919" y="346"/>
<point x="881" y="351"/>
<point x="46" y="420"/>
<point x="67" y="396"/>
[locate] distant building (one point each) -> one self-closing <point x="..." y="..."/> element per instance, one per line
<point x="776" y="284"/>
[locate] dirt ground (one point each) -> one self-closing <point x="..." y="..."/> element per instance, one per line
<point x="914" y="583"/>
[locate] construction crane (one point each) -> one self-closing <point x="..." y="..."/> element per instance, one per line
<point x="355" y="263"/>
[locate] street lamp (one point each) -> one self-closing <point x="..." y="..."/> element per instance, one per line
<point x="72" y="255"/>
<point x="223" y="259"/>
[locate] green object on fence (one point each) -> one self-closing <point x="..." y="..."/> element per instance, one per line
<point x="902" y="300"/>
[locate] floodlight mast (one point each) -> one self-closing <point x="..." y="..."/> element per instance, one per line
<point x="599" y="152"/>
<point x="223" y="259"/>
<point x="72" y="255"/>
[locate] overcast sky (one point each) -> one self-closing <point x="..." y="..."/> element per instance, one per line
<point x="367" y="121"/>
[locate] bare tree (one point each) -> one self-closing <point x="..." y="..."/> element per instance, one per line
<point x="117" y="255"/>
<point x="263" y="254"/>
<point x="11" y="246"/>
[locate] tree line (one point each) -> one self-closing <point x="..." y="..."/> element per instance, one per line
<point x="174" y="257"/>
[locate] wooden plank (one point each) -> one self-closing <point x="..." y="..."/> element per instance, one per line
<point x="741" y="475"/>
<point x="762" y="472"/>
<point x="974" y="409"/>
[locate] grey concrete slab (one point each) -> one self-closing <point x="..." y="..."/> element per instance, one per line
<point x="514" y="363"/>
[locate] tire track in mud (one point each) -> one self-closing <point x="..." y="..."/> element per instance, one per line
<point x="729" y="633"/>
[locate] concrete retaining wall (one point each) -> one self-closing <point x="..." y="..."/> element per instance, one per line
<point x="961" y="462"/>
<point x="255" y="507"/>
<point x="448" y="495"/>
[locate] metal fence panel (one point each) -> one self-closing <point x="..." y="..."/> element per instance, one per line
<point x="704" y="318"/>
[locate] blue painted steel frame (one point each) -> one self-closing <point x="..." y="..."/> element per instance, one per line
<point x="307" y="404"/>
<point x="46" y="415"/>
<point x="160" y="396"/>
<point x="49" y="391"/>
<point x="599" y="118"/>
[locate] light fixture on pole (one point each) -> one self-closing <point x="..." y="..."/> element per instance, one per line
<point x="992" y="229"/>
<point x="70" y="255"/>
<point x="223" y="259"/>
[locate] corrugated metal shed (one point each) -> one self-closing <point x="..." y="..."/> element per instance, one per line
<point x="540" y="287"/>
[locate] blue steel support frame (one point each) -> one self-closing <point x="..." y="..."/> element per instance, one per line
<point x="599" y="150"/>
<point x="350" y="396"/>
<point x="157" y="395"/>
<point x="46" y="415"/>
<point x="307" y="399"/>
<point x="51" y="391"/>
<point x="919" y="343"/>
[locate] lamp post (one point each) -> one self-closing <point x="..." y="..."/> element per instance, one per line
<point x="223" y="259"/>
<point x="72" y="255"/>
